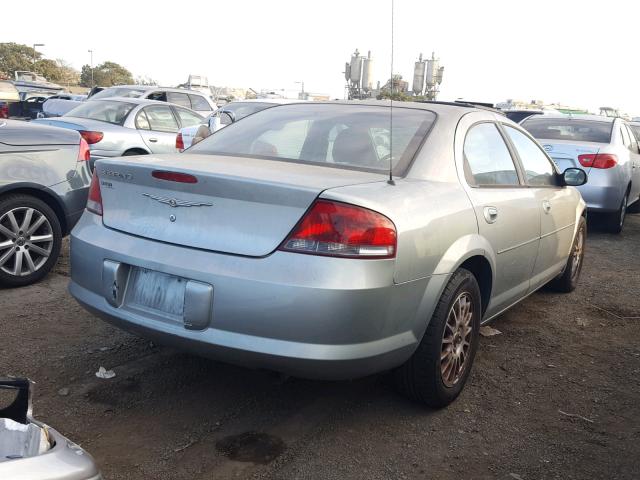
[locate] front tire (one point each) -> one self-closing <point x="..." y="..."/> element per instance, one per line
<point x="30" y="240"/>
<point x="567" y="281"/>
<point x="438" y="370"/>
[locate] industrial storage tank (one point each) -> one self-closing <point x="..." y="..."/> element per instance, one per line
<point x="432" y="71"/>
<point x="356" y="67"/>
<point x="367" y="73"/>
<point x="418" y="76"/>
<point x="347" y="71"/>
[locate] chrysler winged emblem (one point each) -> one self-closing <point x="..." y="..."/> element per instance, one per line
<point x="174" y="202"/>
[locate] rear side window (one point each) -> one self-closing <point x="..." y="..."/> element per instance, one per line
<point x="142" y="123"/>
<point x="537" y="168"/>
<point x="161" y="119"/>
<point x="178" y="99"/>
<point x="188" y="118"/>
<point x="199" y="103"/>
<point x="554" y="128"/>
<point x="487" y="158"/>
<point x="636" y="131"/>
<point x="634" y="142"/>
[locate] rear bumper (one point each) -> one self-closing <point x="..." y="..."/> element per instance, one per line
<point x="604" y="191"/>
<point x="65" y="461"/>
<point x="308" y="316"/>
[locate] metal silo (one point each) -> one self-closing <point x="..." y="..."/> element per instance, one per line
<point x="356" y="67"/>
<point x="367" y="70"/>
<point x="432" y="70"/>
<point x="347" y="71"/>
<point x="418" y="76"/>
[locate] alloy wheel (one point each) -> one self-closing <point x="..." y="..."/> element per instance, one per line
<point x="26" y="241"/>
<point x="456" y="340"/>
<point x="578" y="252"/>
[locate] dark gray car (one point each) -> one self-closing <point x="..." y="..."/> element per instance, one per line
<point x="44" y="181"/>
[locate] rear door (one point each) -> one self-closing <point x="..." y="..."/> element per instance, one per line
<point x="158" y="128"/>
<point x="507" y="212"/>
<point x="556" y="206"/>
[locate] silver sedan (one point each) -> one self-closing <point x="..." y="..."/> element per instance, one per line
<point x="307" y="239"/>
<point x="116" y="127"/>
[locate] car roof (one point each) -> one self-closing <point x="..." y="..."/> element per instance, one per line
<point x="147" y="88"/>
<point x="135" y="101"/>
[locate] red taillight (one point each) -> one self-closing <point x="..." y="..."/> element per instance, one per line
<point x="598" y="160"/>
<point x="84" y="154"/>
<point x="179" y="142"/>
<point x="342" y="230"/>
<point x="174" y="176"/>
<point x="91" y="137"/>
<point x="4" y="110"/>
<point x="94" y="202"/>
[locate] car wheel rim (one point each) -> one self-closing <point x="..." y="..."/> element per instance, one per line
<point x="577" y="254"/>
<point x="456" y="340"/>
<point x="26" y="241"/>
<point x="623" y="210"/>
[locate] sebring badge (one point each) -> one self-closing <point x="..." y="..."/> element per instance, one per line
<point x="548" y="148"/>
<point x="174" y="202"/>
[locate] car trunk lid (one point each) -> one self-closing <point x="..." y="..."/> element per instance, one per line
<point x="241" y="206"/>
<point x="565" y="153"/>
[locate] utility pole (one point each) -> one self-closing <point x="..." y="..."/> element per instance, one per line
<point x="301" y="94"/>
<point x="34" y="53"/>
<point x="91" y="64"/>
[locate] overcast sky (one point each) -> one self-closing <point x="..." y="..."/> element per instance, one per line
<point x="579" y="53"/>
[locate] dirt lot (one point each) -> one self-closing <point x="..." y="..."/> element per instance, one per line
<point x="169" y="415"/>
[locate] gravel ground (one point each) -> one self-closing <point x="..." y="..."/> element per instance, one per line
<point x="169" y="415"/>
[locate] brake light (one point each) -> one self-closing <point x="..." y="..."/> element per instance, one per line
<point x="341" y="230"/>
<point x="84" y="154"/>
<point x="174" y="176"/>
<point x="179" y="142"/>
<point x="91" y="137"/>
<point x="4" y="110"/>
<point x="94" y="201"/>
<point x="598" y="160"/>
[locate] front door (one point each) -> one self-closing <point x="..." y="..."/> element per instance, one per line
<point x="506" y="211"/>
<point x="555" y="203"/>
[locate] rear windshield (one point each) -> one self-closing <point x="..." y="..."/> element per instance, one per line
<point x="103" y="110"/>
<point x="568" y="129"/>
<point x="119" y="92"/>
<point x="346" y="136"/>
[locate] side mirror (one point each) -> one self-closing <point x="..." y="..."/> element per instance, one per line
<point x="227" y="117"/>
<point x="574" y="177"/>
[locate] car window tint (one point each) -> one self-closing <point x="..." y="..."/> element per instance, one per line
<point x="624" y="136"/>
<point x="179" y="99"/>
<point x="567" y="128"/>
<point x="188" y="118"/>
<point x="142" y="123"/>
<point x="199" y="103"/>
<point x="161" y="119"/>
<point x="487" y="156"/>
<point x="537" y="167"/>
<point x="159" y="96"/>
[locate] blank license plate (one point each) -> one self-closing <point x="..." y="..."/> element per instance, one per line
<point x="156" y="291"/>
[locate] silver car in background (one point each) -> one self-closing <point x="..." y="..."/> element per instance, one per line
<point x="44" y="181"/>
<point x="117" y="127"/>
<point x="281" y="241"/>
<point x="606" y="148"/>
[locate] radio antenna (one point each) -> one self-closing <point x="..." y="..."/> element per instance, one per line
<point x="390" y="181"/>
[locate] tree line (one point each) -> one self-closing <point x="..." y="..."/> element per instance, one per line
<point x="15" y="56"/>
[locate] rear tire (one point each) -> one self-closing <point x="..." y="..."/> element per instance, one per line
<point x="30" y="240"/>
<point x="615" y="221"/>
<point x="438" y="370"/>
<point x="567" y="281"/>
<point x="634" y="207"/>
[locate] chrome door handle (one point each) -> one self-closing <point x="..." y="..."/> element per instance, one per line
<point x="153" y="140"/>
<point x="490" y="214"/>
<point x="546" y="206"/>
